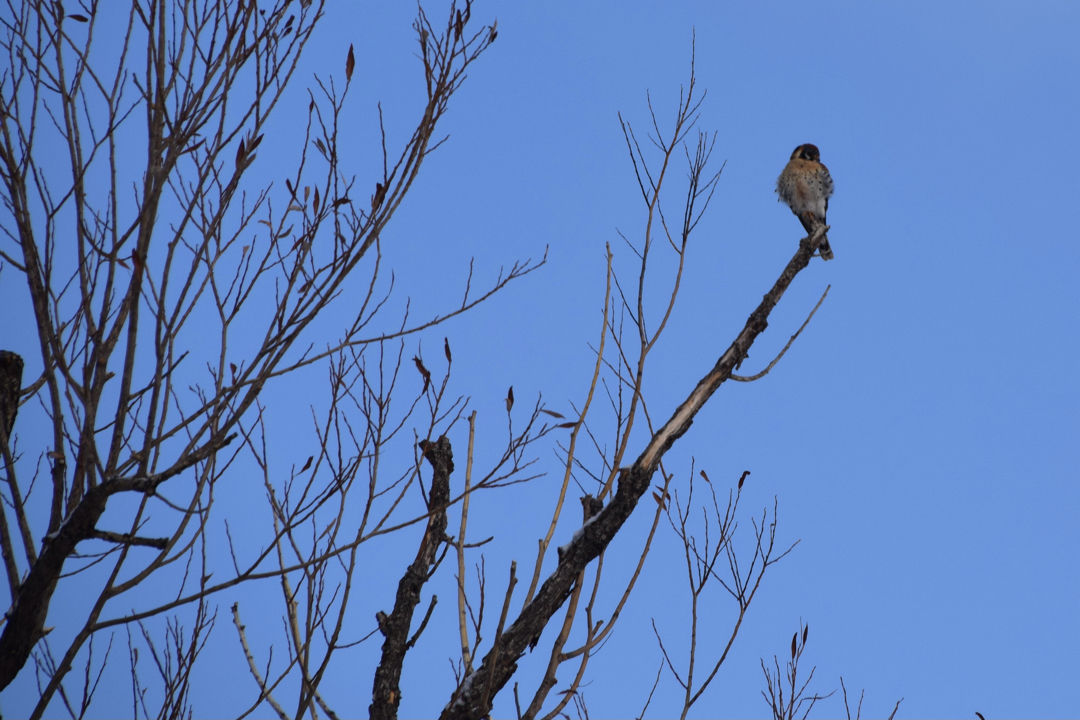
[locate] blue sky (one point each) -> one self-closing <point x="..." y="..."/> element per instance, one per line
<point x="921" y="436"/>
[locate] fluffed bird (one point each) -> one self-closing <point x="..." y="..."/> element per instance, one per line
<point x="805" y="185"/>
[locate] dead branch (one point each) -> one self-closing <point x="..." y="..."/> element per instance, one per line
<point x="501" y="661"/>
<point x="386" y="695"/>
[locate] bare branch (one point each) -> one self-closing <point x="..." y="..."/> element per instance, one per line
<point x="493" y="674"/>
<point x="802" y="327"/>
<point x="387" y="694"/>
<point x="264" y="692"/>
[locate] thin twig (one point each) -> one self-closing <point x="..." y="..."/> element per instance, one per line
<point x="806" y="322"/>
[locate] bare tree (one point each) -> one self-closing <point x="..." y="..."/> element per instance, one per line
<point x="168" y="300"/>
<point x="123" y="273"/>
<point x="620" y="486"/>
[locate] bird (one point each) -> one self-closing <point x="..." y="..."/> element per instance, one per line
<point x="805" y="185"/>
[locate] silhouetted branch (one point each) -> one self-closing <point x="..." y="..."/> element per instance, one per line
<point x="501" y="661"/>
<point x="386" y="695"/>
<point x="128" y="539"/>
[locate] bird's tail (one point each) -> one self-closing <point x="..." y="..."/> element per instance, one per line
<point x="824" y="249"/>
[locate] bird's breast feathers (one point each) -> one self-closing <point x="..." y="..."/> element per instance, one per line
<point x="805" y="186"/>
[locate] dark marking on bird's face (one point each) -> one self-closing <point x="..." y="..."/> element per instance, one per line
<point x="807" y="152"/>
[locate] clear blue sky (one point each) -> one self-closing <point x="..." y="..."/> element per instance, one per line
<point x="922" y="435"/>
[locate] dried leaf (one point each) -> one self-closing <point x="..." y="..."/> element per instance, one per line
<point x="658" y="499"/>
<point x="706" y="477"/>
<point x="446" y="349"/>
<point x="350" y="63"/>
<point x="793" y="639"/>
<point x="290" y="187"/>
<point x="307" y="191"/>
<point x="567" y="425"/>
<point x="341" y="201"/>
<point x="240" y="153"/>
<point x="254" y="144"/>
<point x="805" y="632"/>
<point x="232" y="366"/>
<point x="493" y="33"/>
<point x="79" y="18"/>
<point x="377" y="198"/>
<point x="315" y="202"/>
<point x="307" y="464"/>
<point x="267" y="224"/>
<point x="423" y="371"/>
<point x="743" y="478"/>
<point x="510" y="399"/>
<point x="458" y="26"/>
<point x="553" y="414"/>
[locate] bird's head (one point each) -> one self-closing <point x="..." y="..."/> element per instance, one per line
<point x="807" y="152"/>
